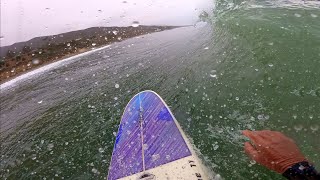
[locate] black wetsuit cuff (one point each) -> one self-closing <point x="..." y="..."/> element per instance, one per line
<point x="302" y="170"/>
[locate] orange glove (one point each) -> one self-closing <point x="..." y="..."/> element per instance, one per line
<point x="272" y="149"/>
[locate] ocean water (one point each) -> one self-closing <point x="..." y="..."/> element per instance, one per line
<point x="252" y="65"/>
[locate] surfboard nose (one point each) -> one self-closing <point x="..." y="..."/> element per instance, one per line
<point x="150" y="143"/>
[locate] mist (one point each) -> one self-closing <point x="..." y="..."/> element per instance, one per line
<point x="23" y="20"/>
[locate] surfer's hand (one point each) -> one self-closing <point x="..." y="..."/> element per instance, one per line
<point x="272" y="149"/>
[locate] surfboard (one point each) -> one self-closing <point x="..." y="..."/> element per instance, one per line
<point x="150" y="144"/>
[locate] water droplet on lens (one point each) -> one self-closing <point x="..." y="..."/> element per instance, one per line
<point x="252" y="162"/>
<point x="167" y="156"/>
<point x="95" y="171"/>
<point x="101" y="150"/>
<point x="50" y="146"/>
<point x="145" y="146"/>
<point x="314" y="128"/>
<point x="35" y="61"/>
<point x="263" y="117"/>
<point x="260" y="117"/>
<point x="217" y="176"/>
<point x="313" y="15"/>
<point x="155" y="157"/>
<point x="215" y="147"/>
<point x="135" y="24"/>
<point x="213" y="75"/>
<point x="298" y="127"/>
<point x="297" y="15"/>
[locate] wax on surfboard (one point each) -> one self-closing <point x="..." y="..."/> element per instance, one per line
<point x="150" y="144"/>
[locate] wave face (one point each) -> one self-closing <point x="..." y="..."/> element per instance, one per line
<point x="269" y="59"/>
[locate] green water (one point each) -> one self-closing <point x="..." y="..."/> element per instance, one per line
<point x="270" y="70"/>
<point x="250" y="67"/>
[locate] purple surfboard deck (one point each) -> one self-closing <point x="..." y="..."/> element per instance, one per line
<point x="146" y="114"/>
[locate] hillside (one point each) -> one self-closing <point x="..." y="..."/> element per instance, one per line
<point x="23" y="56"/>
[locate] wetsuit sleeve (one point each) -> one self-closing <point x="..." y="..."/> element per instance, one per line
<point x="302" y="171"/>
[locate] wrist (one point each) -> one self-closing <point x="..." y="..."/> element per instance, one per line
<point x="301" y="170"/>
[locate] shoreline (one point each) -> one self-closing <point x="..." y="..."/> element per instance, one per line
<point x="46" y="66"/>
<point x="66" y="57"/>
<point x="17" y="68"/>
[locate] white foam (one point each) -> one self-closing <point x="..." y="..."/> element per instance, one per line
<point x="32" y="74"/>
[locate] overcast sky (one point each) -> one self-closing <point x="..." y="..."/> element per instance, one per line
<point x="22" y="20"/>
